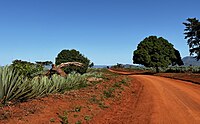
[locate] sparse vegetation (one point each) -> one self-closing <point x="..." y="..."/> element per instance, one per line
<point x="87" y="117"/>
<point x="63" y="117"/>
<point x="78" y="122"/>
<point x="109" y="93"/>
<point x="75" y="115"/>
<point x="78" y="108"/>
<point x="52" y="120"/>
<point x="102" y="105"/>
<point x="94" y="100"/>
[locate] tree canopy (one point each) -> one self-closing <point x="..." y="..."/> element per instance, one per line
<point x="72" y="56"/>
<point x="27" y="68"/>
<point x="44" y="62"/>
<point x="192" y="34"/>
<point x="156" y="52"/>
<point x="177" y="60"/>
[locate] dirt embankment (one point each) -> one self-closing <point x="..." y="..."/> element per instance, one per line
<point x="190" y="77"/>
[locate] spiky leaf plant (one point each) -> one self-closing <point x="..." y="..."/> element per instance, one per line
<point x="75" y="80"/>
<point x="12" y="85"/>
<point x="57" y="84"/>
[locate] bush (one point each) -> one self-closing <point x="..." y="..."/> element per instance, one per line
<point x="27" y="68"/>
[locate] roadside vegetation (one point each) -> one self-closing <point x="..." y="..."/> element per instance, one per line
<point x="15" y="87"/>
<point x="169" y="69"/>
<point x="24" y="80"/>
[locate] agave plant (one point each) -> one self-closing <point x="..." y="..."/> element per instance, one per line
<point x="93" y="74"/>
<point x="12" y="85"/>
<point x="41" y="86"/>
<point x="74" y="81"/>
<point x="57" y="84"/>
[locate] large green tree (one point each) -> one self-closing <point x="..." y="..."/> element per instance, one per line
<point x="192" y="34"/>
<point x="73" y="56"/>
<point x="155" y="52"/>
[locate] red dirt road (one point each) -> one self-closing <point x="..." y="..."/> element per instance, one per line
<point x="170" y="101"/>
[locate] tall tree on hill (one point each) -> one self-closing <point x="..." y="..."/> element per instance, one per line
<point x="155" y="52"/>
<point x="192" y="34"/>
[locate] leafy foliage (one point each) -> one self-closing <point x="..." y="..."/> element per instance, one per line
<point x="27" y="68"/>
<point x="91" y="65"/>
<point x="73" y="56"/>
<point x="192" y="34"/>
<point x="178" y="59"/>
<point x="44" y="63"/>
<point x="154" y="52"/>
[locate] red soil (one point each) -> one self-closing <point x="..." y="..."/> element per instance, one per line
<point x="86" y="105"/>
<point x="146" y="99"/>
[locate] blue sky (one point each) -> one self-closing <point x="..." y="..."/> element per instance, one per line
<point x="105" y="31"/>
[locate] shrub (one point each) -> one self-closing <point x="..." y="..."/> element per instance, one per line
<point x="27" y="68"/>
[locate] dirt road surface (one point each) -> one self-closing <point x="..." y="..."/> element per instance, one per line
<point x="172" y="101"/>
<point x="166" y="101"/>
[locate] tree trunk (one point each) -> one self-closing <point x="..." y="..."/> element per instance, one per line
<point x="157" y="69"/>
<point x="58" y="69"/>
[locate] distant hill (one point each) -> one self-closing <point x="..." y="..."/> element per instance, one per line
<point x="189" y="60"/>
<point x="99" y="66"/>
